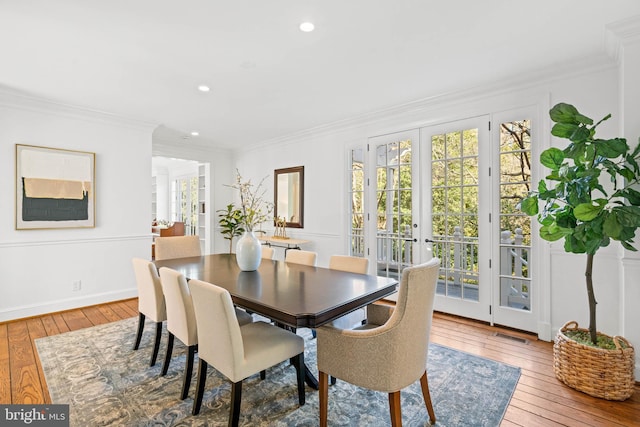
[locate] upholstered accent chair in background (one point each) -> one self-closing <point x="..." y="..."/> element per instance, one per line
<point x="150" y="302"/>
<point x="238" y="351"/>
<point x="297" y="256"/>
<point x="389" y="353"/>
<point x="177" y="247"/>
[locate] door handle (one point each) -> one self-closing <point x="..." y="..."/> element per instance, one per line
<point x="428" y="241"/>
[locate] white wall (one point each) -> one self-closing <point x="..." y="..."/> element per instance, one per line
<point x="39" y="266"/>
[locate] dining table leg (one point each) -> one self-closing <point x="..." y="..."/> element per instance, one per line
<point x="309" y="378"/>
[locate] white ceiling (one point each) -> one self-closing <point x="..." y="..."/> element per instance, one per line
<point x="145" y="58"/>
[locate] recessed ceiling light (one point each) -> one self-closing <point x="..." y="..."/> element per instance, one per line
<point x="195" y="133"/>
<point x="307" y="27"/>
<point x="203" y="88"/>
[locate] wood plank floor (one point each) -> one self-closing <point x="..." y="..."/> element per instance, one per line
<point x="539" y="399"/>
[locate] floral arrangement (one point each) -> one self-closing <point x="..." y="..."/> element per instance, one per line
<point x="255" y="210"/>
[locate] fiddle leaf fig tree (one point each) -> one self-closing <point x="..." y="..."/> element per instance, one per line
<point x="231" y="222"/>
<point x="575" y="205"/>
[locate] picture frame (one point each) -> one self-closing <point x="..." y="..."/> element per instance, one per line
<point x="55" y="188"/>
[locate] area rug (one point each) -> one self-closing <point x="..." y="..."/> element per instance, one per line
<point x="106" y="383"/>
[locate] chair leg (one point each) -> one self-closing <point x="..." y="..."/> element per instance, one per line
<point x="236" y="398"/>
<point x="202" y="379"/>
<point x="156" y="344"/>
<point x="188" y="370"/>
<point x="323" y="390"/>
<point x="167" y="356"/>
<point x="298" y="362"/>
<point x="141" y="318"/>
<point x="263" y="374"/>
<point x="395" y="409"/>
<point x="427" y="398"/>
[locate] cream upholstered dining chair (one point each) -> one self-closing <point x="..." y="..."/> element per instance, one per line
<point x="177" y="247"/>
<point x="389" y="353"/>
<point x="181" y="321"/>
<point x="238" y="351"/>
<point x="267" y="252"/>
<point x="150" y="302"/>
<point x="350" y="264"/>
<point x="298" y="256"/>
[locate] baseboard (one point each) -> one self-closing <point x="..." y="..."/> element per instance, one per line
<point x="24" y="311"/>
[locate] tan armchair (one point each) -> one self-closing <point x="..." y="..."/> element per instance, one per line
<point x="237" y="351"/>
<point x="297" y="256"/>
<point x="181" y="321"/>
<point x="386" y="357"/>
<point x="177" y="247"/>
<point x="150" y="302"/>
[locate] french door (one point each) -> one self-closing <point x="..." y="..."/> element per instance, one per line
<point x="393" y="227"/>
<point x="474" y="174"/>
<point x="456" y="198"/>
<point x="452" y="191"/>
<point x="516" y="295"/>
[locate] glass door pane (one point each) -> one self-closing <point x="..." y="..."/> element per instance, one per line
<point x="515" y="227"/>
<point x="391" y="184"/>
<point x="454" y="177"/>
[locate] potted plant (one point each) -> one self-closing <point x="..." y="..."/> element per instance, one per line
<point x="254" y="211"/>
<point x="578" y="209"/>
<point x="231" y="222"/>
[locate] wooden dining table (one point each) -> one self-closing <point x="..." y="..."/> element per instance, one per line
<point x="291" y="294"/>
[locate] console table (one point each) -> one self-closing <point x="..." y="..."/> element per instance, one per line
<point x="283" y="243"/>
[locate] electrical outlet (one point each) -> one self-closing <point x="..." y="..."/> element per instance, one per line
<point x="77" y="285"/>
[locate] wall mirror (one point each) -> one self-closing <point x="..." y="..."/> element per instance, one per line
<point x="288" y="188"/>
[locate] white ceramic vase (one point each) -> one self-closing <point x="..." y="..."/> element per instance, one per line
<point x="248" y="252"/>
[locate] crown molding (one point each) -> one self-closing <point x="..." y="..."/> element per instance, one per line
<point x="17" y="100"/>
<point x="621" y="33"/>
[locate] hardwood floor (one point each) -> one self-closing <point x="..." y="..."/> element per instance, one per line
<point x="539" y="399"/>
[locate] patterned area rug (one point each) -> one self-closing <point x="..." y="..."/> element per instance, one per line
<point x="106" y="383"/>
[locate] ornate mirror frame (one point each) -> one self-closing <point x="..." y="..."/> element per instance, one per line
<point x="288" y="196"/>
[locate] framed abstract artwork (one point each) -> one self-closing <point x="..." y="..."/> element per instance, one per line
<point x="55" y="188"/>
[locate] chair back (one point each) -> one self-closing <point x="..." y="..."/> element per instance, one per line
<point x="177" y="247"/>
<point x="351" y="264"/>
<point x="219" y="339"/>
<point x="297" y="256"/>
<point x="150" y="295"/>
<point x="411" y="319"/>
<point x="181" y="319"/>
<point x="267" y="252"/>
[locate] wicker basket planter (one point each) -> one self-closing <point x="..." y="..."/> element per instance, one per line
<point x="607" y="374"/>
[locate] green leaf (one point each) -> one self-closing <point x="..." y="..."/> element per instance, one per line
<point x="628" y="247"/>
<point x="636" y="150"/>
<point x="564" y="130"/>
<point x="612" y="226"/>
<point x="628" y="216"/>
<point x="551" y="233"/>
<point x="567" y="113"/>
<point x="565" y="218"/>
<point x="632" y="196"/>
<point x="611" y="148"/>
<point x="529" y="205"/>
<point x="581" y="134"/>
<point x="552" y="158"/>
<point x="587" y="211"/>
